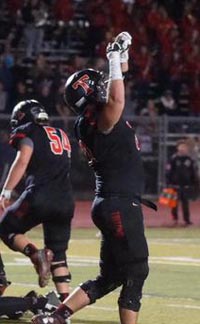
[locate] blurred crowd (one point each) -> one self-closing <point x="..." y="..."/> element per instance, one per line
<point x="42" y="42"/>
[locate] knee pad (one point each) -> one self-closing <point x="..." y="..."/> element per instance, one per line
<point x="97" y="288"/>
<point x="62" y="278"/>
<point x="8" y="240"/>
<point x="131" y="292"/>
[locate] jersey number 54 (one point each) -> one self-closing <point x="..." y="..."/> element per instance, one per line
<point x="58" y="144"/>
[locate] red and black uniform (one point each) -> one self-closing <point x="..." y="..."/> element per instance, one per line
<point x="182" y="175"/>
<point x="47" y="197"/>
<point x="116" y="209"/>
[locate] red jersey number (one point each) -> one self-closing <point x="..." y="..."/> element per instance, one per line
<point x="57" y="144"/>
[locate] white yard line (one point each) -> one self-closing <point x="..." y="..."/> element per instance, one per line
<point x="112" y="309"/>
<point x="183" y="306"/>
<point x="93" y="261"/>
<point x="109" y="309"/>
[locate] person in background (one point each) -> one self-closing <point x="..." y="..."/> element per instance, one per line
<point x="181" y="175"/>
<point x="3" y="99"/>
<point x="167" y="104"/>
<point x="111" y="147"/>
<point x="34" y="16"/>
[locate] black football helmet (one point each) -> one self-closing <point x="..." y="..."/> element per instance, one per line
<point x="28" y="111"/>
<point x="85" y="87"/>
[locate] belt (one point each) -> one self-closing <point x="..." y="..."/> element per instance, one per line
<point x="146" y="202"/>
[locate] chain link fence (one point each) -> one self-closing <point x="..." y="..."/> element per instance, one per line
<point x="157" y="138"/>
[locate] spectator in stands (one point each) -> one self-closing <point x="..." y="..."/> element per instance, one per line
<point x="47" y="98"/>
<point x="3" y="98"/>
<point x="6" y="73"/>
<point x="20" y="71"/>
<point x="41" y="71"/>
<point x="181" y="175"/>
<point x="63" y="10"/>
<point x="183" y="100"/>
<point x="167" y="104"/>
<point x="21" y="92"/>
<point x="40" y="68"/>
<point x="176" y="70"/>
<point x="34" y="15"/>
<point x="61" y="109"/>
<point x="195" y="96"/>
<point x="150" y="110"/>
<point x="14" y="6"/>
<point x="99" y="18"/>
<point x="171" y="28"/>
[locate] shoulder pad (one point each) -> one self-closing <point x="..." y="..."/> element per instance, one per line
<point x="19" y="133"/>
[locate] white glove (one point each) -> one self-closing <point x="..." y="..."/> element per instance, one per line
<point x="125" y="40"/>
<point x="112" y="48"/>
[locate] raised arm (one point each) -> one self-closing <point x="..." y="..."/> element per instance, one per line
<point x="117" y="54"/>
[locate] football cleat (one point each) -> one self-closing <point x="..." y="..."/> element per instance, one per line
<point x="4" y="283"/>
<point x="38" y="302"/>
<point x="52" y="303"/>
<point x="52" y="319"/>
<point x="42" y="262"/>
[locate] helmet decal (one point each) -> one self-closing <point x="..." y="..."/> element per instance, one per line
<point x="85" y="87"/>
<point x="81" y="82"/>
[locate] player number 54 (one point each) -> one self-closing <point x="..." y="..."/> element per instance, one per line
<point x="58" y="143"/>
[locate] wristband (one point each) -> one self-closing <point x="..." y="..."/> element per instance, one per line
<point x="124" y="57"/>
<point x="115" y="66"/>
<point x="6" y="193"/>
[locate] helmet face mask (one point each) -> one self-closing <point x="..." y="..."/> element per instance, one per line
<point x="28" y="111"/>
<point x="102" y="89"/>
<point x="85" y="87"/>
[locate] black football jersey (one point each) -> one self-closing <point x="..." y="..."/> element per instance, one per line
<point x="115" y="157"/>
<point x="181" y="170"/>
<point x="50" y="161"/>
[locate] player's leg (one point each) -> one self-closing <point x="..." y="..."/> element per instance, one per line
<point x="14" y="307"/>
<point x="131" y="293"/>
<point x="88" y="292"/>
<point x="124" y="221"/>
<point x="135" y="265"/>
<point x="18" y="219"/>
<point x="4" y="283"/>
<point x="56" y="236"/>
<point x="185" y="209"/>
<point x="174" y="212"/>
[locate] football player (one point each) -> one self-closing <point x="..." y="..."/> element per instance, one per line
<point x="43" y="157"/>
<point x="4" y="283"/>
<point x="15" y="307"/>
<point x="112" y="149"/>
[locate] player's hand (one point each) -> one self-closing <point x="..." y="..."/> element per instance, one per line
<point x="125" y="41"/>
<point x="114" y="47"/>
<point x="4" y="203"/>
<point x="5" y="199"/>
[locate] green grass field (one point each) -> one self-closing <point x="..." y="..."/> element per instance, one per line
<point x="171" y="292"/>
